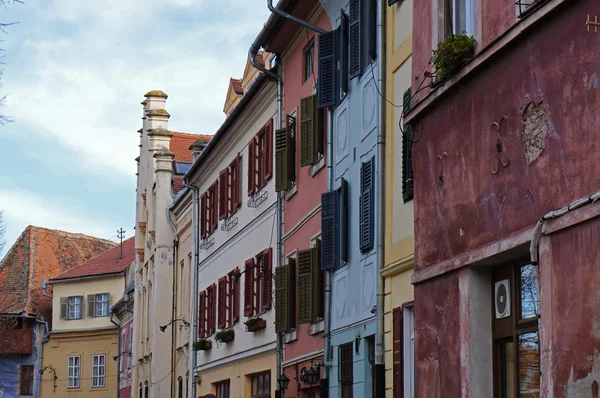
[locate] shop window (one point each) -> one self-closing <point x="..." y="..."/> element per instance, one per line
<point x="261" y="385"/>
<point x="222" y="389"/>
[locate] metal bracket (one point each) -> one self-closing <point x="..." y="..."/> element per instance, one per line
<point x="593" y="23"/>
<point x="229" y="223"/>
<point x="207" y="243"/>
<point x="256" y="199"/>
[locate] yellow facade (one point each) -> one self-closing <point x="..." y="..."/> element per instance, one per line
<point x="239" y="374"/>
<point x="399" y="220"/>
<point x="84" y="344"/>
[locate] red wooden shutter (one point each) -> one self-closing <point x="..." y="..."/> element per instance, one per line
<point x="235" y="294"/>
<point x="213" y="308"/>
<point x="221" y="311"/>
<point x="237" y="190"/>
<point x="223" y="196"/>
<point x="203" y="216"/>
<point x="397" y="345"/>
<point x="214" y="205"/>
<point x="251" y="166"/>
<point x="249" y="287"/>
<point x="269" y="150"/>
<point x="202" y="315"/>
<point x="267" y="281"/>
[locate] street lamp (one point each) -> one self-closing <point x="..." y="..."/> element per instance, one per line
<point x="283" y="382"/>
<point x="312" y="375"/>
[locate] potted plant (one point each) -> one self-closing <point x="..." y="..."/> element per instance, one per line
<point x="202" y="345"/>
<point x="452" y="54"/>
<point x="225" y="335"/>
<point x="255" y="323"/>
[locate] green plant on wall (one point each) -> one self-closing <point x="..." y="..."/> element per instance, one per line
<point x="452" y="54"/>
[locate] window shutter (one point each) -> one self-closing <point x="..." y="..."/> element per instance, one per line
<point x="282" y="172"/>
<point x="327" y="69"/>
<point x="281" y="299"/>
<point x="328" y="230"/>
<point x="406" y="101"/>
<point x="305" y="290"/>
<point x="269" y="150"/>
<point x="223" y="193"/>
<point x="214" y="203"/>
<point x="234" y="292"/>
<point x="267" y="281"/>
<point x="317" y="305"/>
<point x="308" y="132"/>
<point x="407" y="170"/>
<point x="355" y="39"/>
<point x="372" y="33"/>
<point x="212" y="308"/>
<point x="343" y="53"/>
<point x="221" y="310"/>
<point x="81" y="309"/>
<point x="237" y="190"/>
<point x="291" y="307"/>
<point x="251" y="165"/>
<point x="202" y="315"/>
<point x="366" y="205"/>
<point x="249" y="287"/>
<point x="64" y="306"/>
<point x="91" y="303"/>
<point x="203" y="206"/>
<point x="343" y="221"/>
<point x="397" y="345"/>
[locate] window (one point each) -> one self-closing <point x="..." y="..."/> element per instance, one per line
<point x="515" y="330"/>
<point x="209" y="210"/>
<point x="146" y="390"/>
<point x="233" y="299"/>
<point x="409" y="351"/>
<point x="230" y="198"/>
<point x="102" y="304"/>
<point x="261" y="385"/>
<point x="285" y="155"/>
<point x="180" y="168"/>
<point x="310" y="284"/>
<point x="258" y="285"/>
<point x="180" y="387"/>
<point x="130" y="350"/>
<point x="462" y="16"/>
<point x="260" y="158"/>
<point x="367" y="205"/>
<point x="371" y="357"/>
<point x="26" y="381"/>
<point x="222" y="389"/>
<point x="311" y="132"/>
<point x="334" y="227"/>
<point x="346" y="370"/>
<point x="122" y="356"/>
<point x="74" y="368"/>
<point x="309" y="52"/>
<point x="75" y="304"/>
<point x="98" y="370"/>
<point x="141" y="392"/>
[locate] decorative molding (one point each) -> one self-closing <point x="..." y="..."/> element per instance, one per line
<point x="399" y="266"/>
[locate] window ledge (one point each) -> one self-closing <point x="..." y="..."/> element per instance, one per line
<point x="291" y="192"/>
<point x="315" y="168"/>
<point x="481" y="58"/>
<point x="290" y="336"/>
<point x="317" y="327"/>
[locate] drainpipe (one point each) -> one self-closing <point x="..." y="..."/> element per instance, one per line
<point x="173" y="305"/>
<point x="118" y="352"/>
<point x="328" y="273"/>
<point x="379" y="348"/>
<point x="286" y="15"/>
<point x="194" y="327"/>
<point x="44" y="341"/>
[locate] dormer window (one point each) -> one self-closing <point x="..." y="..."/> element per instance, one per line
<point x="180" y="168"/>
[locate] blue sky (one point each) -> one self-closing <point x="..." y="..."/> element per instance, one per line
<point x="75" y="75"/>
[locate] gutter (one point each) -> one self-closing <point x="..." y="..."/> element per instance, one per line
<point x="83" y="278"/>
<point x="173" y="306"/>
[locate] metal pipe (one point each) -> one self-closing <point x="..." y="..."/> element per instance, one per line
<point x="328" y="273"/>
<point x="279" y="210"/>
<point x="44" y="341"/>
<point x="195" y="225"/>
<point x="118" y="351"/>
<point x="173" y="305"/>
<point x="289" y="16"/>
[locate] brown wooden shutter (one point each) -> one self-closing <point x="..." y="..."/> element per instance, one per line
<point x="64" y="307"/>
<point x="267" y="281"/>
<point x="249" y="287"/>
<point x="397" y="345"/>
<point x="308" y="132"/>
<point x="203" y="216"/>
<point x="91" y="303"/>
<point x="268" y="150"/>
<point x="305" y="290"/>
<point x="318" y="284"/>
<point x="291" y="293"/>
<point x="222" y="310"/>
<point x="202" y="315"/>
<point x="282" y="155"/>
<point x="251" y="165"/>
<point x="281" y="299"/>
<point x="223" y="193"/>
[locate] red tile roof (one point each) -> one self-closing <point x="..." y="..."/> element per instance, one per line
<point x="177" y="184"/>
<point x="237" y="85"/>
<point x="38" y="254"/>
<point x="181" y="142"/>
<point x="109" y="262"/>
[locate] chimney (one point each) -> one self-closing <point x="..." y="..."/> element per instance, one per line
<point x="197" y="147"/>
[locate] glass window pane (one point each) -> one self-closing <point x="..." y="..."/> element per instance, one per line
<point x="529" y="291"/>
<point x="529" y="365"/>
<point x="508" y="369"/>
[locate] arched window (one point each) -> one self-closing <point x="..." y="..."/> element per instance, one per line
<point x="146" y="390"/>
<point x="180" y="388"/>
<point x="141" y="393"/>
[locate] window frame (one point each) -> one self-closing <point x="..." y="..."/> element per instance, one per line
<point x="255" y="379"/>
<point x="469" y="21"/>
<point x="26" y="380"/>
<point x="78" y="307"/>
<point x="223" y="389"/>
<point x="309" y="55"/>
<point x="105" y="304"/>
<point x="98" y="380"/>
<point x="74" y="378"/>
<point x="408" y="349"/>
<point x="346" y="369"/>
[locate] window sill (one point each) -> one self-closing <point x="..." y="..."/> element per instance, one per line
<point x="290" y="336"/>
<point x="317" y="327"/>
<point x="482" y="57"/>
<point x="291" y="192"/>
<point x="315" y="168"/>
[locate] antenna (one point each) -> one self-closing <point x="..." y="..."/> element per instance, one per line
<point x="121" y="235"/>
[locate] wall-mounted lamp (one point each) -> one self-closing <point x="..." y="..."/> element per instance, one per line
<point x="183" y="321"/>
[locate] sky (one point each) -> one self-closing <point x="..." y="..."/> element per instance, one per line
<point x="75" y="73"/>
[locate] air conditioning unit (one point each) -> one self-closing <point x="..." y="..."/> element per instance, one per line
<point x="502" y="302"/>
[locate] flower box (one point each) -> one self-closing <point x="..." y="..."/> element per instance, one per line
<point x="225" y="335"/>
<point x="202" y="345"/>
<point x="254" y="324"/>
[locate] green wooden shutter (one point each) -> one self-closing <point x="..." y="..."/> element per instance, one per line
<point x="64" y="306"/>
<point x="317" y="305"/>
<point x="281" y="299"/>
<point x="367" y="175"/>
<point x="308" y="131"/>
<point x="282" y="148"/>
<point x="305" y="290"/>
<point x="328" y="87"/>
<point x="355" y="67"/>
<point x="91" y="303"/>
<point x="329" y="230"/>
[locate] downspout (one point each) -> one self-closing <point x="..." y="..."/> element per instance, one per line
<point x="299" y="21"/>
<point x="193" y="359"/>
<point x="44" y="341"/>
<point x="119" y="352"/>
<point x="327" y="360"/>
<point x="379" y="348"/>
<point x="173" y="306"/>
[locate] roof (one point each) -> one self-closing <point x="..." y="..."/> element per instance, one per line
<point x="38" y="254"/>
<point x="181" y="142"/>
<point x="236" y="84"/>
<point x="109" y="262"/>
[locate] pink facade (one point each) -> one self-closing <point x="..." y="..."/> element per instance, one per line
<point x="127" y="361"/>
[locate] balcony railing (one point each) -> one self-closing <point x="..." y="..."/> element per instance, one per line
<point x="526" y="7"/>
<point x="16" y="341"/>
